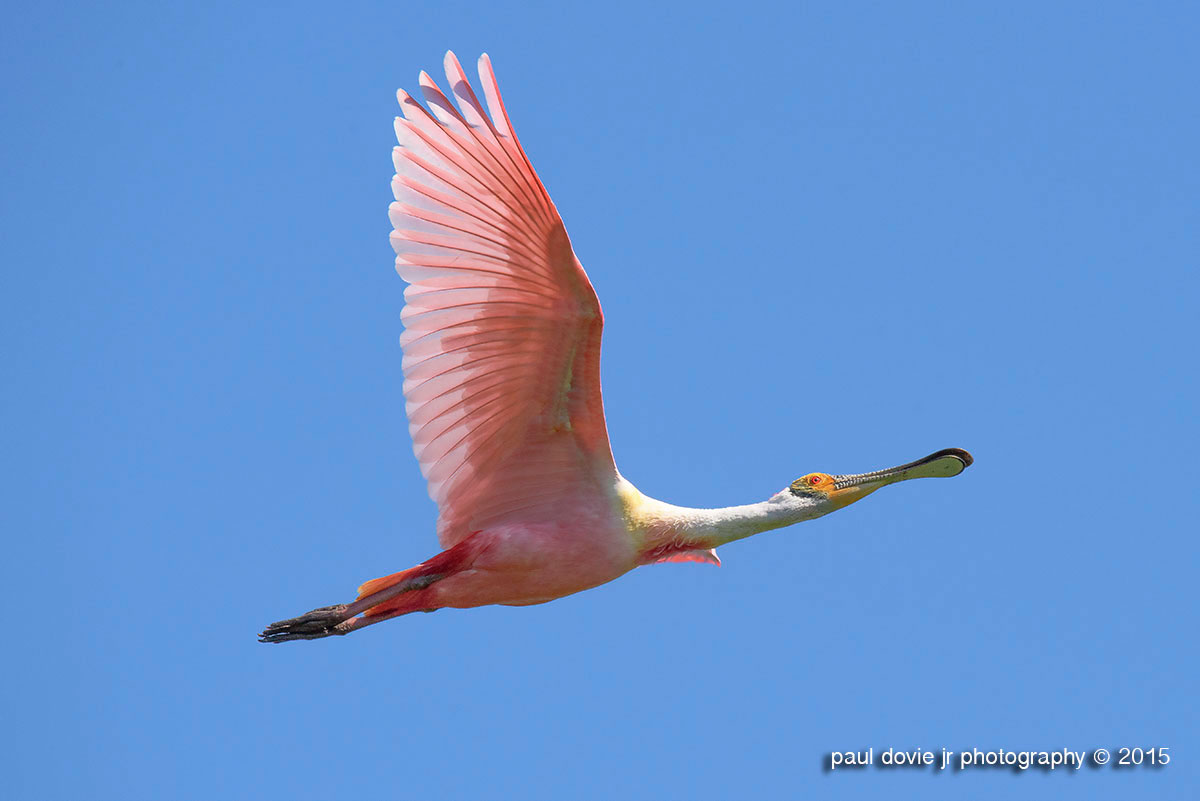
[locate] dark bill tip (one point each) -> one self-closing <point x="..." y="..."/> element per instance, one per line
<point x="958" y="453"/>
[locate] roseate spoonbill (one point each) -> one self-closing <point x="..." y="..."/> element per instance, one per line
<point x="502" y="387"/>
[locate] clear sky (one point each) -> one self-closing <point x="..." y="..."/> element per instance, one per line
<point x="831" y="237"/>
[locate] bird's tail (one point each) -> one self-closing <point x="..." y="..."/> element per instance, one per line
<point x="405" y="591"/>
<point x="375" y="585"/>
<point x="417" y="579"/>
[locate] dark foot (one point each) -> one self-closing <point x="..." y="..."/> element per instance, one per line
<point x="324" y="622"/>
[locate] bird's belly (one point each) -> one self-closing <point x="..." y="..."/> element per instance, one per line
<point x="520" y="565"/>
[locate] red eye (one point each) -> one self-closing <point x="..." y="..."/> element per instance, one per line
<point x="814" y="480"/>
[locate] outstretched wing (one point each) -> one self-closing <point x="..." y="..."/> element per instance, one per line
<point x="502" y="327"/>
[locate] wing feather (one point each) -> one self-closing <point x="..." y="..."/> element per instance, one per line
<point x="502" y="327"/>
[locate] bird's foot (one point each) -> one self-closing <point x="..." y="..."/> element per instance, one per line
<point x="324" y="622"/>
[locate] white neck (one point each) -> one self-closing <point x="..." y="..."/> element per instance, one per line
<point x="701" y="529"/>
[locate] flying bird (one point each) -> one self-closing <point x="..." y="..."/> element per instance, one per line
<point x="501" y="369"/>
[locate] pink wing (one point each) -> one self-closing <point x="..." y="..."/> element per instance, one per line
<point x="502" y="327"/>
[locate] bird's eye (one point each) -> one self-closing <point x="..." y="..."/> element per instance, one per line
<point x="814" y="480"/>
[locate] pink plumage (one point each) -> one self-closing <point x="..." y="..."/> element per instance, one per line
<point x="502" y="328"/>
<point x="502" y="388"/>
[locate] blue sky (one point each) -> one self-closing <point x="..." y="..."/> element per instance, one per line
<point x="826" y="237"/>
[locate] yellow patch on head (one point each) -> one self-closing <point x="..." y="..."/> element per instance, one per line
<point x="813" y="481"/>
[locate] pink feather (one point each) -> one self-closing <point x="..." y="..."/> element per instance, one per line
<point x="502" y="327"/>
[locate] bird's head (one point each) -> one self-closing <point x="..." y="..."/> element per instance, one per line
<point x="830" y="493"/>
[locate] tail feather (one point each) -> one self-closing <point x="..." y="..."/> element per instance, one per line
<point x="375" y="585"/>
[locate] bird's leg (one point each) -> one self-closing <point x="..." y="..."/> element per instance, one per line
<point x="328" y="621"/>
<point x="341" y="618"/>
